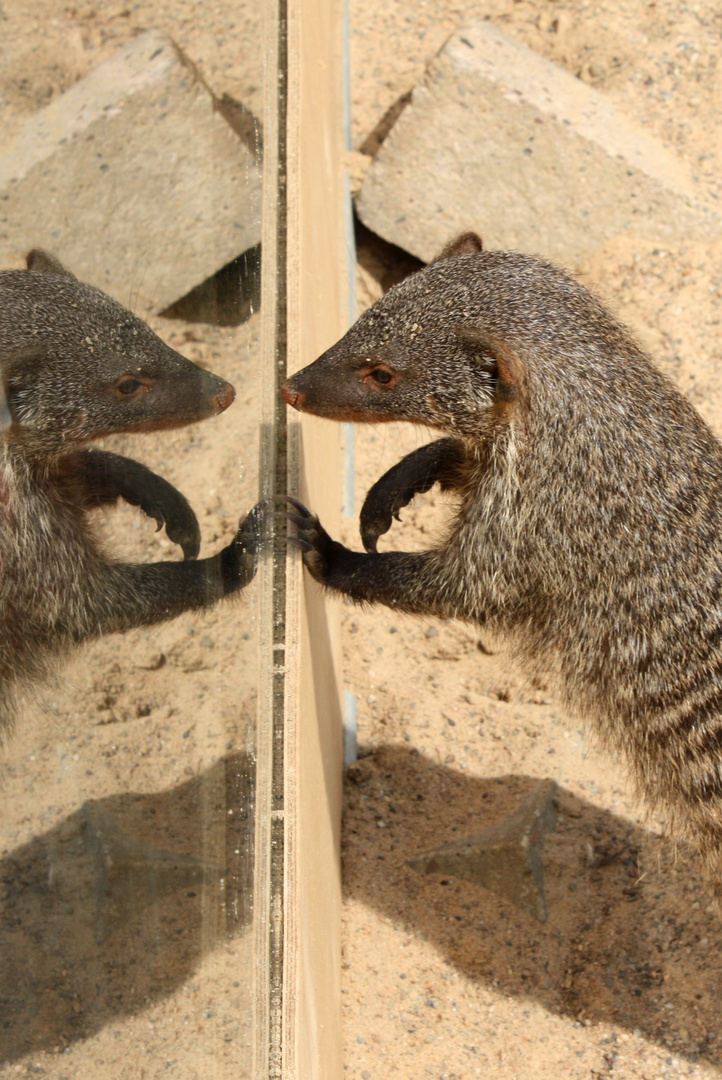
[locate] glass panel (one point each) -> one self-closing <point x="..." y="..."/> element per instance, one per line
<point x="128" y="778"/>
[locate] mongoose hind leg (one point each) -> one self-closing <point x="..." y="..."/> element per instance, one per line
<point x="438" y="462"/>
<point x="101" y="478"/>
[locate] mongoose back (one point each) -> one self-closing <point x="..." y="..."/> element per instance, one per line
<point x="76" y="365"/>
<point x="589" y="524"/>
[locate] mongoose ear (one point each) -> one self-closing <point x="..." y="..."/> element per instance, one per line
<point x="497" y="360"/>
<point x="45" y="263"/>
<point x="469" y="243"/>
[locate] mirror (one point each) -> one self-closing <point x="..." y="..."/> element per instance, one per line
<point x="133" y="153"/>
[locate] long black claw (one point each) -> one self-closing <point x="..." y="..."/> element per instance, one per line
<point x="298" y="520"/>
<point x="303" y="545"/>
<point x="299" y="506"/>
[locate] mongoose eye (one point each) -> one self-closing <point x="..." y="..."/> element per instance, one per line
<point x="381" y="376"/>
<point x="130" y="387"/>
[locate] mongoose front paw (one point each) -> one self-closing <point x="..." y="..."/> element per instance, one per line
<point x="161" y="501"/>
<point x="392" y="492"/>
<point x="313" y="540"/>
<point x="437" y="462"/>
<point x="102" y="478"/>
<point x="381" y="505"/>
<point x="240" y="559"/>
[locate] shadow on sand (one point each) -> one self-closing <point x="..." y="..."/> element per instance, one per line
<point x="115" y="906"/>
<point x="615" y="948"/>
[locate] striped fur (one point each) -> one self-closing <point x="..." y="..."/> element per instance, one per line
<point x="588" y="533"/>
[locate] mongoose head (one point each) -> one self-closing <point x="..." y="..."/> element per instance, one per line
<point x="76" y="365"/>
<point x="455" y="345"/>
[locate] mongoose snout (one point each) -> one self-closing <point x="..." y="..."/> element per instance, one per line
<point x="292" y="396"/>
<point x="224" y="398"/>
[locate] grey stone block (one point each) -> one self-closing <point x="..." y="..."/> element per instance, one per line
<point x="500" y="140"/>
<point x="506" y="858"/>
<point x="134" y="179"/>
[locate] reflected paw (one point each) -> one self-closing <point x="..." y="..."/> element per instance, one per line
<point x="240" y="559"/>
<point x="181" y="524"/>
<point x="256" y="527"/>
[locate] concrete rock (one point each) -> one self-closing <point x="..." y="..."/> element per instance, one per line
<point x="505" y="858"/>
<point x="500" y="140"/>
<point x="134" y="178"/>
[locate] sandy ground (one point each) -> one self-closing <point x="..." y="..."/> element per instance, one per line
<point x="138" y="967"/>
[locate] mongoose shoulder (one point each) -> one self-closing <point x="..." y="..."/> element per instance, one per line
<point x="76" y="366"/>
<point x="588" y="532"/>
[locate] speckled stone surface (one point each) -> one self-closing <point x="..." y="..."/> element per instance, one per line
<point x="498" y="139"/>
<point x="134" y="177"/>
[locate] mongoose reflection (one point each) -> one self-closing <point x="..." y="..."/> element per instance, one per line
<point x="588" y="533"/>
<point x="76" y="366"/>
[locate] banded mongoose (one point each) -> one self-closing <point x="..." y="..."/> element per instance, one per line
<point x="588" y="532"/>
<point x="76" y="366"/>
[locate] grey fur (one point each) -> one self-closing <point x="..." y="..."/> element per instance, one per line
<point x="589" y="525"/>
<point x="75" y="366"/>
